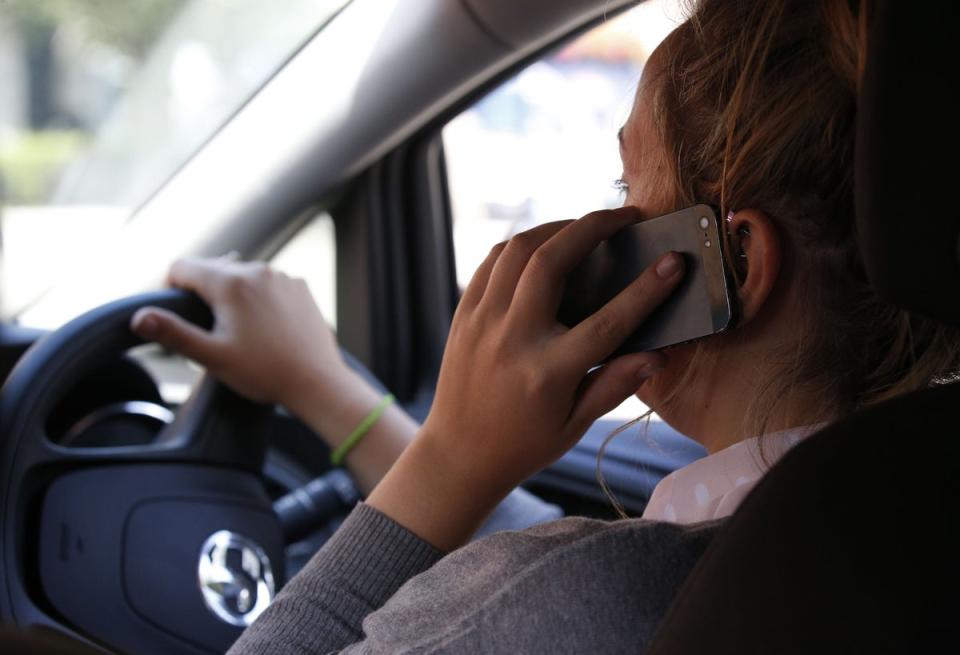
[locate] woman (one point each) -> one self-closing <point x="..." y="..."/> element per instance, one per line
<point x="750" y="106"/>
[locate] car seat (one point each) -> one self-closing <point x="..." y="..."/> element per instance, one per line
<point x="851" y="543"/>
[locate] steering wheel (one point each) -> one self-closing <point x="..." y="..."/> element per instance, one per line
<point x="171" y="547"/>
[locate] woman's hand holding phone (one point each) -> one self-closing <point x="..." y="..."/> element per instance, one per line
<point x="515" y="389"/>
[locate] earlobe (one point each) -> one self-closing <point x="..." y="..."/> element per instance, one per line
<point x="756" y="253"/>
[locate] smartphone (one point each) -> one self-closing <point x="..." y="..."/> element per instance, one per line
<point x="704" y="303"/>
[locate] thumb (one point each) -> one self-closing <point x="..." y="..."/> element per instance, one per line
<point x="606" y="387"/>
<point x="174" y="333"/>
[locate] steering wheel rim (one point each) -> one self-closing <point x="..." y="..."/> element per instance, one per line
<point x="105" y="568"/>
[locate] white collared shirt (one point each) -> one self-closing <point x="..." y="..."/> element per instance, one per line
<point x="714" y="486"/>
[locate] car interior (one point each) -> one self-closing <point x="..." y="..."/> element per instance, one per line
<point x="109" y="489"/>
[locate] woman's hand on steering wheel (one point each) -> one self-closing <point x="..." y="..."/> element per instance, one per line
<point x="269" y="342"/>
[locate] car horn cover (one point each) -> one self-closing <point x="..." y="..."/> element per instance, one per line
<point x="235" y="577"/>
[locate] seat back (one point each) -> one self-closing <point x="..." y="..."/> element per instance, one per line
<point x="851" y="544"/>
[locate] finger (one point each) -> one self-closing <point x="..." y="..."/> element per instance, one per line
<point x="541" y="285"/>
<point x="174" y="333"/>
<point x="509" y="267"/>
<point x="604" y="331"/>
<point x="605" y="388"/>
<point x="478" y="283"/>
<point x="205" y="277"/>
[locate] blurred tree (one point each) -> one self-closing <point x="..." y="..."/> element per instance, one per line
<point x="129" y="26"/>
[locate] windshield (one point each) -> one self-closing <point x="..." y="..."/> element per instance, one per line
<point x="105" y="101"/>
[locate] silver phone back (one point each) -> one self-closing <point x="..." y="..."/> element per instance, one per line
<point x="702" y="305"/>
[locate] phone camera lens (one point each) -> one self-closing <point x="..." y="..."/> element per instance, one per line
<point x="704" y="222"/>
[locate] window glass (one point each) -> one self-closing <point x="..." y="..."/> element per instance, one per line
<point x="311" y="255"/>
<point x="543" y="146"/>
<point x="104" y="101"/>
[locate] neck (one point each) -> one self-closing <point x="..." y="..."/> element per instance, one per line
<point x="729" y="404"/>
<point x="749" y="410"/>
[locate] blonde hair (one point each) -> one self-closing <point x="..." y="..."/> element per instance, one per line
<point x="756" y="104"/>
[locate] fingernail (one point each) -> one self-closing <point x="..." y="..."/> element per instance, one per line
<point x="648" y="371"/>
<point x="146" y="325"/>
<point x="668" y="265"/>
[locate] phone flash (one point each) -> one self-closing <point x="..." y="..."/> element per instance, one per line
<point x="707" y="243"/>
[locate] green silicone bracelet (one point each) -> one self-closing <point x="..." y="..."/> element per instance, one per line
<point x="338" y="455"/>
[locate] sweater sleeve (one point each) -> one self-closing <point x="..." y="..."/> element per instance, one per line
<point x="321" y="609"/>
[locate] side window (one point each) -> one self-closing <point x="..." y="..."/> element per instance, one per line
<point x="311" y="255"/>
<point x="543" y="145"/>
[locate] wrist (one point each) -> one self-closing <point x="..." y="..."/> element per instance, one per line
<point x="470" y="468"/>
<point x="365" y="426"/>
<point x="437" y="495"/>
<point x="333" y="402"/>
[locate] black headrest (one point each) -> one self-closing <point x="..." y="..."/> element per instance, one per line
<point x="908" y="156"/>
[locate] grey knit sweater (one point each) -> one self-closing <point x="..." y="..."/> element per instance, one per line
<point x="573" y="585"/>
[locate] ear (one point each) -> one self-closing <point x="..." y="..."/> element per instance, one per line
<point x="753" y="234"/>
